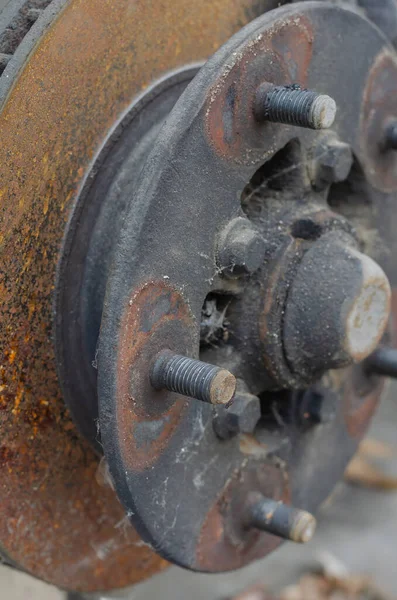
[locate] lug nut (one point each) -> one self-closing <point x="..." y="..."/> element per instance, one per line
<point x="293" y="105"/>
<point x="382" y="362"/>
<point x="391" y="136"/>
<point x="280" y="519"/>
<point x="241" y="248"/>
<point x="192" y="378"/>
<point x="241" y="417"/>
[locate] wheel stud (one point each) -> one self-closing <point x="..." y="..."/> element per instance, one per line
<point x="391" y="136"/>
<point x="293" y="105"/>
<point x="280" y="519"/>
<point x="192" y="378"/>
<point x="382" y="362"/>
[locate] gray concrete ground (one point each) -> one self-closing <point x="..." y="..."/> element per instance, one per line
<point x="359" y="527"/>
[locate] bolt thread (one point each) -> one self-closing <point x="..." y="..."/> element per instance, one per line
<point x="290" y="105"/>
<point x="391" y="137"/>
<point x="383" y="362"/>
<point x="281" y="520"/>
<point x="185" y="376"/>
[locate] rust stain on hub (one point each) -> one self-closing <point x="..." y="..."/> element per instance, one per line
<point x="280" y="56"/>
<point x="378" y="111"/>
<point x="226" y="542"/>
<point x="156" y="318"/>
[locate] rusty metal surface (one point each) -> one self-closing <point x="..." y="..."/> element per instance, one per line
<point x="378" y="110"/>
<point x="224" y="538"/>
<point x="156" y="316"/>
<point x="282" y="57"/>
<point x="55" y="521"/>
<point x="360" y="401"/>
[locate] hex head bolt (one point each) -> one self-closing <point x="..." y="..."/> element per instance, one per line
<point x="280" y="519"/>
<point x="332" y="161"/>
<point x="242" y="417"/>
<point x="293" y="105"/>
<point x="192" y="378"/>
<point x="382" y="362"/>
<point x="241" y="248"/>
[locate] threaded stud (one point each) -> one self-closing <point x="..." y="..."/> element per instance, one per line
<point x="293" y="105"/>
<point x="391" y="136"/>
<point x="280" y="519"/>
<point x="382" y="362"/>
<point x="192" y="378"/>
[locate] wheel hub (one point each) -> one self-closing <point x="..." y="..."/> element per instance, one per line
<point x="229" y="251"/>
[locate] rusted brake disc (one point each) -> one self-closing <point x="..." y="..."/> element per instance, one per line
<point x="213" y="229"/>
<point x="71" y="75"/>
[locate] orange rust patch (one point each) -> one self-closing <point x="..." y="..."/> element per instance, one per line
<point x="224" y="542"/>
<point x="279" y="55"/>
<point x="359" y="408"/>
<point x="156" y="318"/>
<point x="378" y="110"/>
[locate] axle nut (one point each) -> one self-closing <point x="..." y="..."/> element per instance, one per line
<point x="337" y="309"/>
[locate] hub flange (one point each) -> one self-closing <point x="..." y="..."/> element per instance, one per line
<point x="237" y="215"/>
